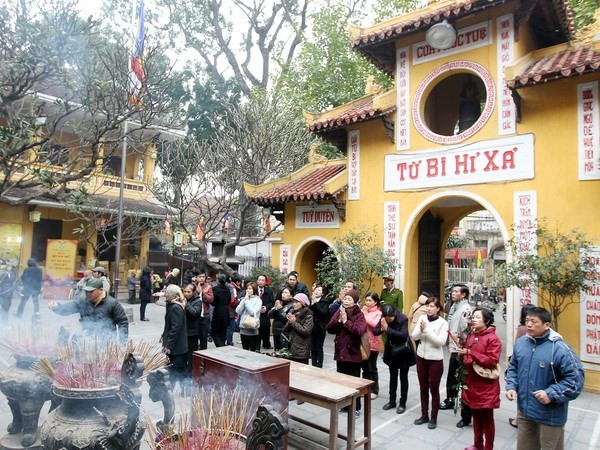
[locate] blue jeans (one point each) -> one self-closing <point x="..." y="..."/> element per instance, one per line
<point x="230" y="331"/>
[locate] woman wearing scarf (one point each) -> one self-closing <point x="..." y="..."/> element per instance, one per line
<point x="432" y="331"/>
<point x="348" y="324"/>
<point x="299" y="327"/>
<point x="395" y="325"/>
<point x="174" y="337"/>
<point x="249" y="306"/>
<point x="483" y="348"/>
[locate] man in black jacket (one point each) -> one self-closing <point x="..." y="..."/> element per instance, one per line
<point x="268" y="301"/>
<point x="295" y="286"/>
<point x="100" y="314"/>
<point x="32" y="287"/>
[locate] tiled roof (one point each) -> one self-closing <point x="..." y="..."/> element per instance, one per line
<point x="310" y="186"/>
<point x="360" y="111"/>
<point x="551" y="22"/>
<point x="99" y="202"/>
<point x="449" y="11"/>
<point x="562" y="64"/>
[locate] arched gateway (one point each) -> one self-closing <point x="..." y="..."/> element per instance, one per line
<point x="505" y="120"/>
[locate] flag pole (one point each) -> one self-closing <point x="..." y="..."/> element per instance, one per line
<point x="116" y="276"/>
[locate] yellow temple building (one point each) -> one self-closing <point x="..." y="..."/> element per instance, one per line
<point x="494" y="107"/>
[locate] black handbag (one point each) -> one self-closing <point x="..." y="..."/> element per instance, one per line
<point x="400" y="351"/>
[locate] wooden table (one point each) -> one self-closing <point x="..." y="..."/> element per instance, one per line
<point x="332" y="390"/>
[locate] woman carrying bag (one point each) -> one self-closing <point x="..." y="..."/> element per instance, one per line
<point x="398" y="354"/>
<point x="481" y="357"/>
<point x="249" y="312"/>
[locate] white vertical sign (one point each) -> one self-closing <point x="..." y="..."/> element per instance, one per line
<point x="505" y="53"/>
<point x="588" y="129"/>
<point x="285" y="258"/>
<point x="402" y="99"/>
<point x="525" y="236"/>
<point x="391" y="232"/>
<point x="589" y="310"/>
<point x="354" y="165"/>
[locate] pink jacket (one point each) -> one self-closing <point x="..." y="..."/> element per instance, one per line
<point x="373" y="318"/>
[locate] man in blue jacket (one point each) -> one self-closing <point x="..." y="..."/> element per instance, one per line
<point x="544" y="375"/>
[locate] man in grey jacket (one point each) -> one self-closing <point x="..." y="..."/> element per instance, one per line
<point x="458" y="319"/>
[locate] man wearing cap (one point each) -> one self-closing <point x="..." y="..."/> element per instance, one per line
<point x="100" y="314"/>
<point x="390" y="294"/>
<point x="100" y="273"/>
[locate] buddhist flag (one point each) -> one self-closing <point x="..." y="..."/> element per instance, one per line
<point x="137" y="75"/>
<point x="225" y="221"/>
<point x="479" y="260"/>
<point x="267" y="224"/>
<point x="456" y="259"/>
<point x="200" y="228"/>
<point x="168" y="226"/>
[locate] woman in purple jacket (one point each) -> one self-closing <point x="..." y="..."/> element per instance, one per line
<point x="348" y="324"/>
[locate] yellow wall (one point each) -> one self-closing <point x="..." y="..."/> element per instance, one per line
<point x="549" y="112"/>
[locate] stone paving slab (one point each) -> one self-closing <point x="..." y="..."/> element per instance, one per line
<point x="389" y="430"/>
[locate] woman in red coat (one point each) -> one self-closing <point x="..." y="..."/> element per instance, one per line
<point x="482" y="394"/>
<point x="348" y="324"/>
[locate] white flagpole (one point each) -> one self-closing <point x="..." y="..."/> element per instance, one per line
<point x="123" y="164"/>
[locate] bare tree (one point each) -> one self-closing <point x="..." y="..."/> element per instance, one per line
<point x="245" y="38"/>
<point x="96" y="226"/>
<point x="259" y="141"/>
<point x="65" y="99"/>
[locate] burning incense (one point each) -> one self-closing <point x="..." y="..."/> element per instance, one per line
<point x="85" y="364"/>
<point x="220" y="418"/>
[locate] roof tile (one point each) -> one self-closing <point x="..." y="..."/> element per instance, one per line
<point x="308" y="187"/>
<point x="562" y="64"/>
<point x="362" y="110"/>
<point x="433" y="14"/>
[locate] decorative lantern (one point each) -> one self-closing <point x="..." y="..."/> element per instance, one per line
<point x="35" y="216"/>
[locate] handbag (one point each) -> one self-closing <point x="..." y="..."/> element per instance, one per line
<point x="484" y="372"/>
<point x="250" y="322"/>
<point x="365" y="347"/>
<point x="400" y="351"/>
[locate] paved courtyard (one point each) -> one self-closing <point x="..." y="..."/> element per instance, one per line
<point x="389" y="430"/>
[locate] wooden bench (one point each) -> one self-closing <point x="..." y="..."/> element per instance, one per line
<point x="332" y="390"/>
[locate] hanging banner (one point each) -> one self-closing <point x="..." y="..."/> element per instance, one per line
<point x="525" y="225"/>
<point x="354" y="165"/>
<point x="589" y="309"/>
<point x="61" y="255"/>
<point x="588" y="127"/>
<point x="10" y="242"/>
<point x="391" y="232"/>
<point x="285" y="259"/>
<point x="402" y="99"/>
<point x="505" y="51"/>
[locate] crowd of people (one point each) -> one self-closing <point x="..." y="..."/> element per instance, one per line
<point x="543" y="375"/>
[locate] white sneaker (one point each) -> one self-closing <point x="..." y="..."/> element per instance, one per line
<point x="356" y="414"/>
<point x="374" y="395"/>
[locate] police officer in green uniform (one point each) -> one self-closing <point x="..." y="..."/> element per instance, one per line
<point x="391" y="295"/>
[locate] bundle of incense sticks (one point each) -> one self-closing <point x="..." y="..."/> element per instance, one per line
<point x="453" y="338"/>
<point x="27" y="341"/>
<point x="92" y="364"/>
<point x="220" y="417"/>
